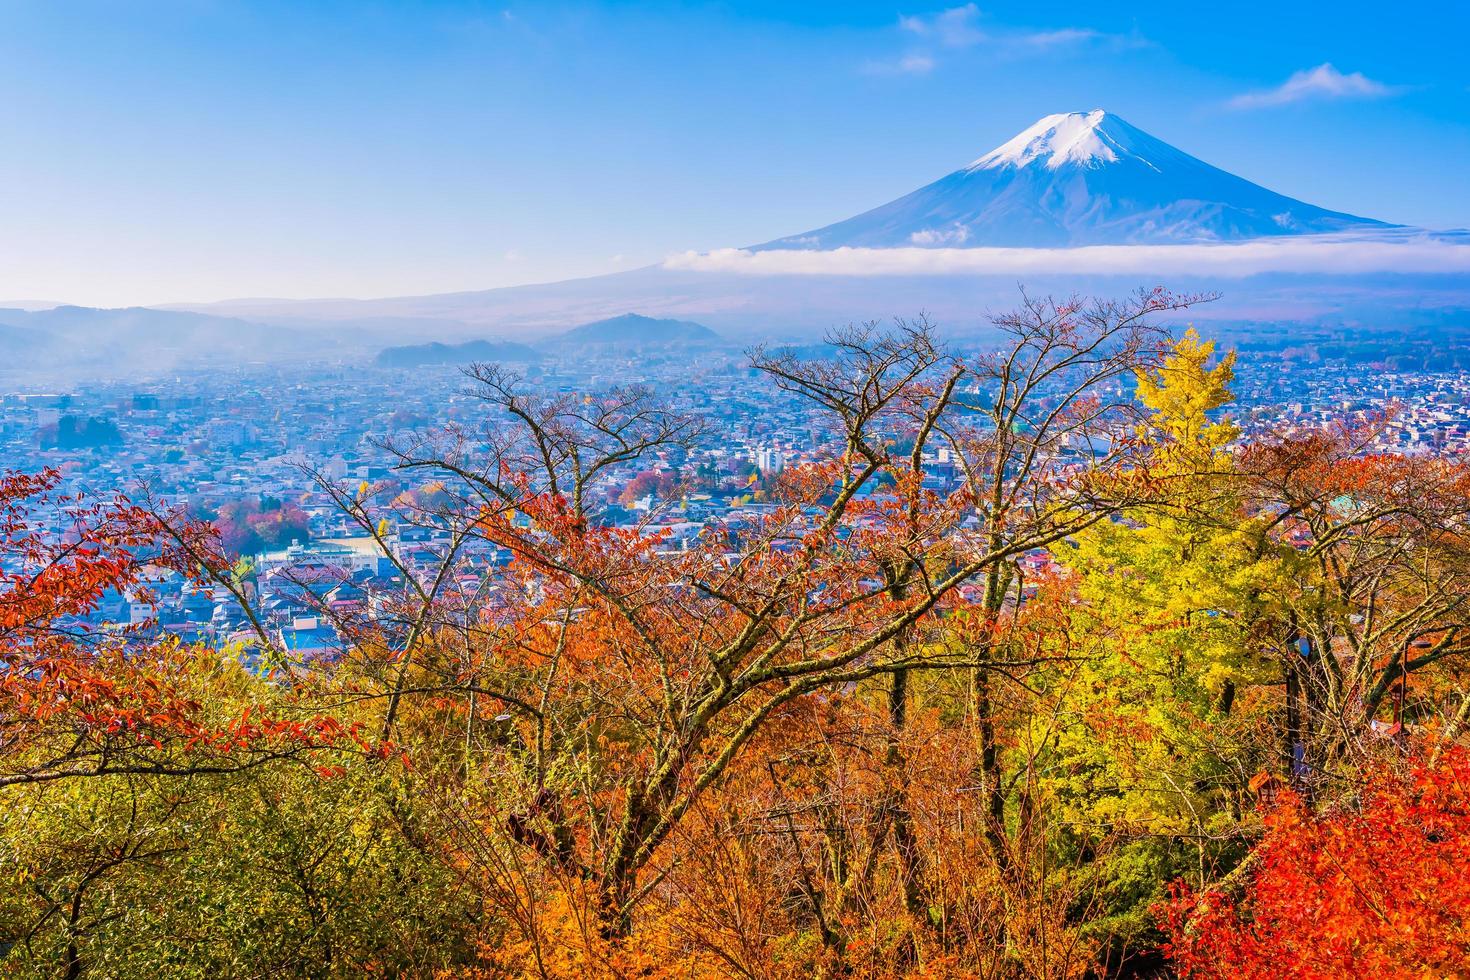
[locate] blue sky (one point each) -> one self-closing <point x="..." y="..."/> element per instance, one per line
<point x="204" y="149"/>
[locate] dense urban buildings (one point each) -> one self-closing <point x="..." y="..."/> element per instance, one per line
<point x="256" y="448"/>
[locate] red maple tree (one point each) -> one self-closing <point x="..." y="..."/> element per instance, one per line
<point x="1376" y="887"/>
<point x="80" y="701"/>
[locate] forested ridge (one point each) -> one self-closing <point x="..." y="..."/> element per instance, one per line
<point x="1141" y="697"/>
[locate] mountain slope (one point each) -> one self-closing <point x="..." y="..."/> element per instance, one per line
<point x="1072" y="179"/>
<point x="19" y="340"/>
<point x="1080" y="179"/>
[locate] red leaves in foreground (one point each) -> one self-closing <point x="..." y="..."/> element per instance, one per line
<point x="77" y="701"/>
<point x="1379" y="889"/>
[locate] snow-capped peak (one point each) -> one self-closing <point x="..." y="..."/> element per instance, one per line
<point x="1087" y="139"/>
<point x="1079" y="178"/>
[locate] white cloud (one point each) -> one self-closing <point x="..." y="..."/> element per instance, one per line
<point x="1321" y="254"/>
<point x="1054" y="39"/>
<point x="1322" y="82"/>
<point x="953" y="28"/>
<point x="959" y="28"/>
<point x="956" y="235"/>
<point x="915" y="63"/>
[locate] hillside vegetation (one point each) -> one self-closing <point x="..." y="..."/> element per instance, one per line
<point x="1140" y="696"/>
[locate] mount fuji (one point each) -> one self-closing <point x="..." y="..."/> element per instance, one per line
<point x="1078" y="202"/>
<point x="1080" y="178"/>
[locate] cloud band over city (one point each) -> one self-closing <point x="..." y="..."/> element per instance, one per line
<point x="1323" y="255"/>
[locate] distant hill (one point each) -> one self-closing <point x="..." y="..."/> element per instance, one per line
<point x="144" y="325"/>
<point x="421" y="355"/>
<point x="639" y="331"/>
<point x="86" y="341"/>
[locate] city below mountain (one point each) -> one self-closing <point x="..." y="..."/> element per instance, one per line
<point x="1080" y="179"/>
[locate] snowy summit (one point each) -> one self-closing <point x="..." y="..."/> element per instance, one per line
<point x="1086" y="139"/>
<point x="1080" y="178"/>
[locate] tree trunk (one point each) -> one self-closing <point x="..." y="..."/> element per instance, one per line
<point x="905" y="843"/>
<point x="991" y="783"/>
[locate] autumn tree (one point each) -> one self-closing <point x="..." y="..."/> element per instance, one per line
<point x="1149" y="737"/>
<point x="79" y="702"/>
<point x="1377" y="885"/>
<point x="1379" y="586"/>
<point x="957" y="696"/>
<point x="629" y="680"/>
<point x="110" y="737"/>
